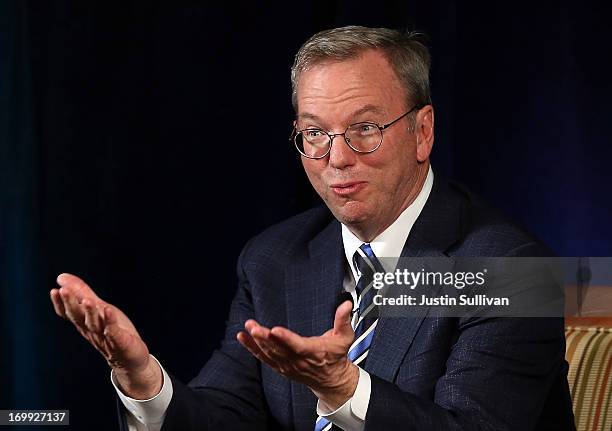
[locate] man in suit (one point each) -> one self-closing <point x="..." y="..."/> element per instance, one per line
<point x="293" y="357"/>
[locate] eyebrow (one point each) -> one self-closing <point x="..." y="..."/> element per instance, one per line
<point x="364" y="110"/>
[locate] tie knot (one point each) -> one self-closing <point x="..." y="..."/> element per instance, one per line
<point x="364" y="260"/>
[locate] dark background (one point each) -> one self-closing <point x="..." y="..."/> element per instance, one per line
<point x="142" y="144"/>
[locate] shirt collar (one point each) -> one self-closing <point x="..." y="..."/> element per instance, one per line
<point x="390" y="242"/>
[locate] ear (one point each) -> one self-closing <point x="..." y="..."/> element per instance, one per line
<point x="424" y="131"/>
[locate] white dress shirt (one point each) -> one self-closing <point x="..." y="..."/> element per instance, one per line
<point x="148" y="415"/>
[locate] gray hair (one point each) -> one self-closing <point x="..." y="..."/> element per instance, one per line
<point x="407" y="54"/>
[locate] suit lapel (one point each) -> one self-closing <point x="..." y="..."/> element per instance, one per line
<point x="313" y="283"/>
<point x="393" y="338"/>
<point x="437" y="228"/>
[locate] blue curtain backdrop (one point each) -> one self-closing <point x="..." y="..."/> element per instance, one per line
<point x="133" y="153"/>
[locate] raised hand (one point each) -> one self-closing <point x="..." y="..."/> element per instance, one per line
<point x="110" y="331"/>
<point x="321" y="363"/>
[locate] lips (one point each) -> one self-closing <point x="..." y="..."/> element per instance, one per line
<point x="347" y="188"/>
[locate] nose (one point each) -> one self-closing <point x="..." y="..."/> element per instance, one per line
<point x="340" y="154"/>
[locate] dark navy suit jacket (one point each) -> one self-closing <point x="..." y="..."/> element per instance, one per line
<point x="428" y="373"/>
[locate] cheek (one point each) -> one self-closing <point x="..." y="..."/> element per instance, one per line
<point x="389" y="174"/>
<point x="313" y="172"/>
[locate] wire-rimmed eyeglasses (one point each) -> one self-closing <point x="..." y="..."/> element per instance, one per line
<point x="364" y="137"/>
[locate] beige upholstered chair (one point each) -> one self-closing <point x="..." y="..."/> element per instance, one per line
<point x="589" y="354"/>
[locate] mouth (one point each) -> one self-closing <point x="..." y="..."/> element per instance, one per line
<point x="348" y="188"/>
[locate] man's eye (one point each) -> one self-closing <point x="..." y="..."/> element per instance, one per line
<point x="366" y="129"/>
<point x="313" y="133"/>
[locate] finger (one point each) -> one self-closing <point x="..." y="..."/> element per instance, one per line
<point x="58" y="304"/>
<point x="295" y="343"/>
<point x="342" y="320"/>
<point x="72" y="307"/>
<point x="270" y="347"/>
<point x="249" y="343"/>
<point x="251" y="325"/>
<point x="92" y="316"/>
<point x="277" y="350"/>
<point x="260" y="334"/>
<point x="76" y="286"/>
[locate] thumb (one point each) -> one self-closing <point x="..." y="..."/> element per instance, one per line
<point x="342" y="320"/>
<point x="126" y="349"/>
<point x="118" y="338"/>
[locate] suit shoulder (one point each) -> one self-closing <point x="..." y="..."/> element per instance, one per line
<point x="290" y="236"/>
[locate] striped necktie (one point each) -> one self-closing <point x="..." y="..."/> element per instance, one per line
<point x="366" y="264"/>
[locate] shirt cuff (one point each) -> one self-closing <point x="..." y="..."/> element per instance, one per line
<point x="351" y="415"/>
<point x="153" y="410"/>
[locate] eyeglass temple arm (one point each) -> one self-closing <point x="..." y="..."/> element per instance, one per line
<point x="416" y="107"/>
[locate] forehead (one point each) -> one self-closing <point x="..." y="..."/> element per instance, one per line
<point x="336" y="89"/>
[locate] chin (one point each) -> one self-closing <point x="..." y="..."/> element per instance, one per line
<point x="352" y="213"/>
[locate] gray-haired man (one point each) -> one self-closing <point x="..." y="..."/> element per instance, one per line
<point x="292" y="357"/>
